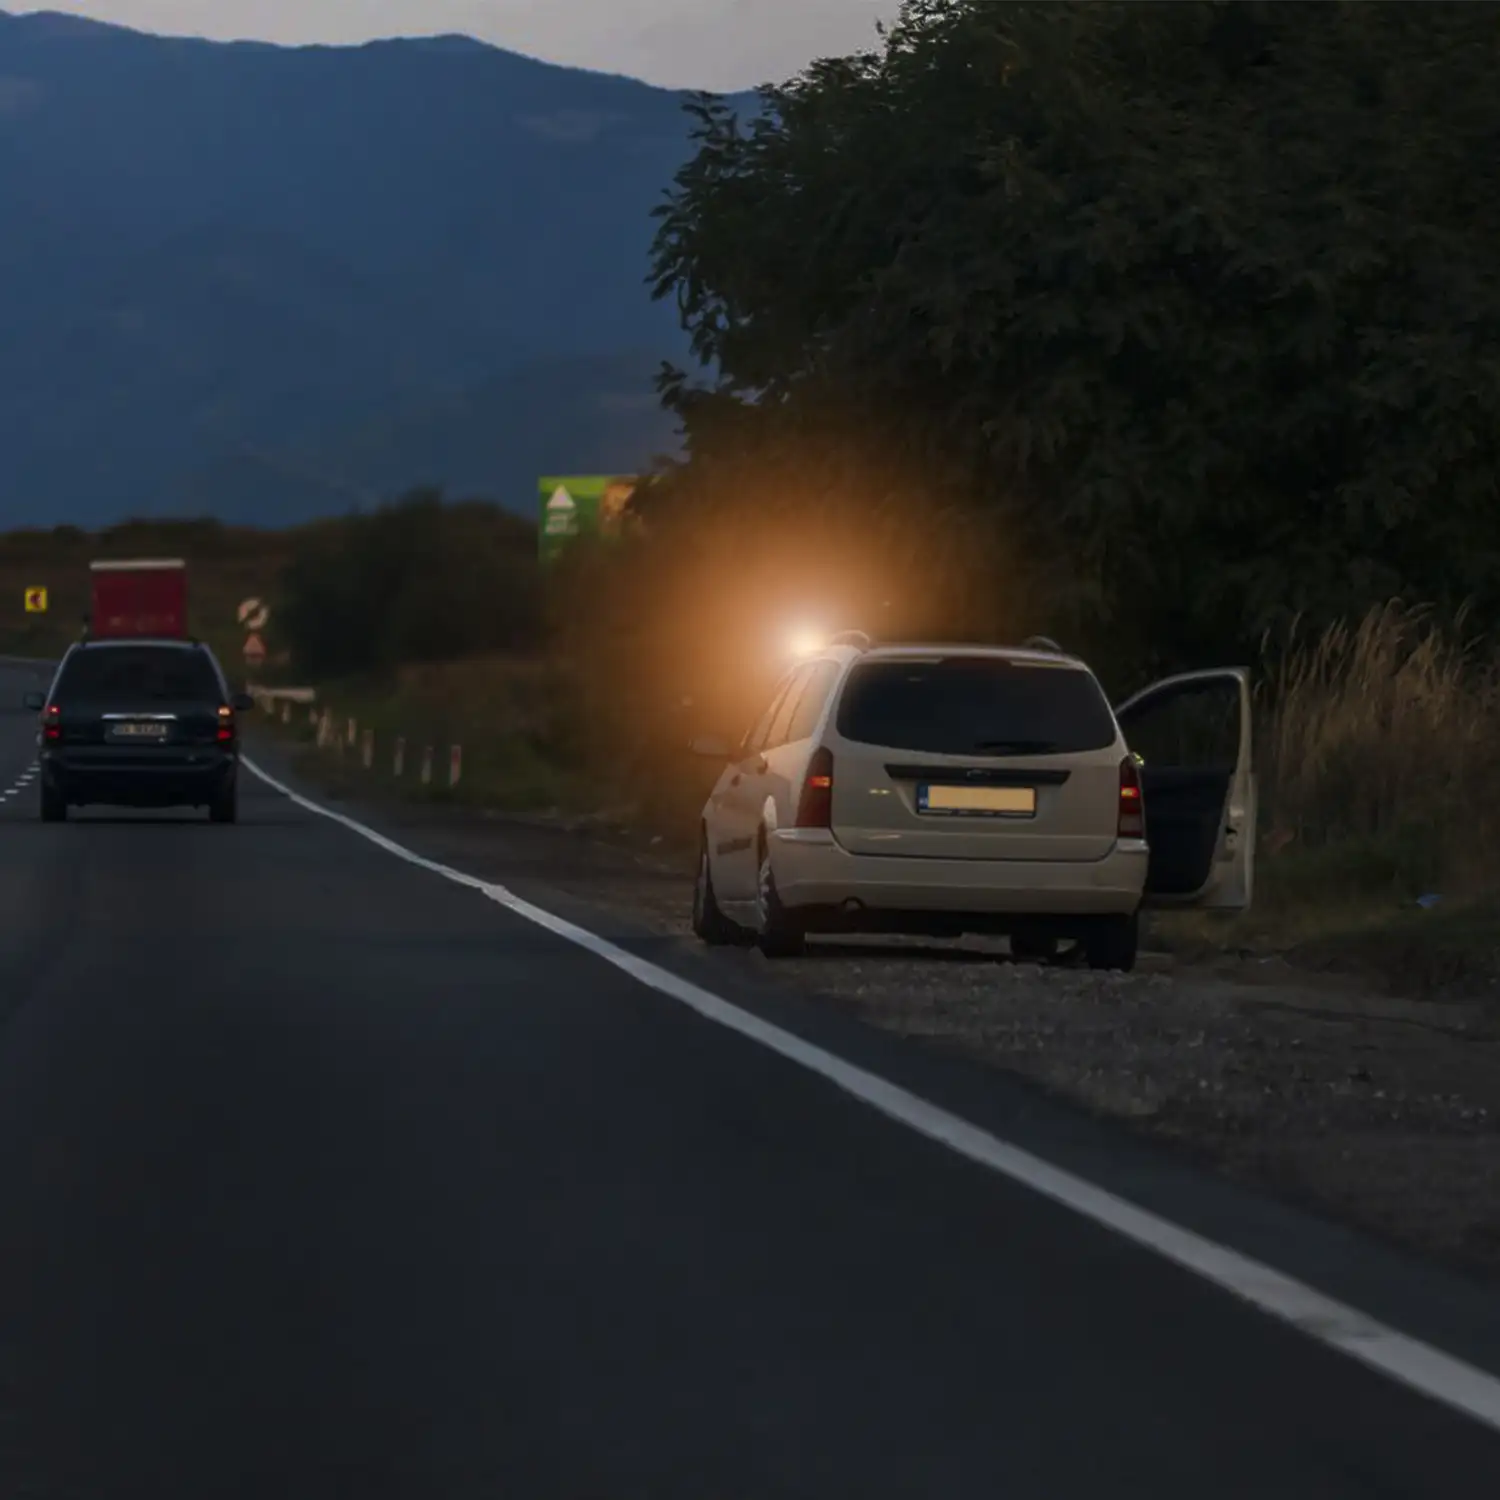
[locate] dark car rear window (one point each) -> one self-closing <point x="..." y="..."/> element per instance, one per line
<point x="138" y="674"/>
<point x="975" y="706"/>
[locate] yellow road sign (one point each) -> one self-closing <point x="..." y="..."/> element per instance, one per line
<point x="36" y="601"/>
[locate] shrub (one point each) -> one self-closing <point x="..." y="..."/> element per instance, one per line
<point x="417" y="581"/>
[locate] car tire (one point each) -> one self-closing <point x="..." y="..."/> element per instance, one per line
<point x="1033" y="948"/>
<point x="778" y="934"/>
<point x="1113" y="943"/>
<point x="710" y="924"/>
<point x="225" y="808"/>
<point x="54" y="805"/>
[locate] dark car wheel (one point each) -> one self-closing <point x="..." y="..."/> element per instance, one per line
<point x="1030" y="947"/>
<point x="225" y="808"/>
<point x="709" y="922"/>
<point x="1113" y="942"/>
<point x="54" y="805"/>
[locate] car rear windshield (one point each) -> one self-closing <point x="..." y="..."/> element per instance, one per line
<point x="130" y="674"/>
<point x="975" y="706"/>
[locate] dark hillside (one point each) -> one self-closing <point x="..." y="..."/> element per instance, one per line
<point x="219" y="250"/>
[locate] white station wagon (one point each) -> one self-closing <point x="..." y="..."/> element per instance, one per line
<point x="944" y="790"/>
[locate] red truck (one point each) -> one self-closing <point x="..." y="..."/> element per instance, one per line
<point x="144" y="596"/>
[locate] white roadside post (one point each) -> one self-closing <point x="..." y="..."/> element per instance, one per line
<point x="427" y="766"/>
<point x="398" y="760"/>
<point x="353" y="732"/>
<point x="455" y="764"/>
<point x="286" y="710"/>
<point x="367" y="749"/>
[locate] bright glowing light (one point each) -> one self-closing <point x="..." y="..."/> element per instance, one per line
<point x="805" y="641"/>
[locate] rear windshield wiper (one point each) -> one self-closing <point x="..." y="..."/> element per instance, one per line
<point x="1017" y="747"/>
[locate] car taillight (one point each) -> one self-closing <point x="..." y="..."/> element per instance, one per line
<point x="1132" y="823"/>
<point x="51" y="728"/>
<point x="225" y="736"/>
<point x="815" y="806"/>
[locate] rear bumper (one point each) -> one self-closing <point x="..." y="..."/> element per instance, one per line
<point x="130" y="778"/>
<point x="815" y="875"/>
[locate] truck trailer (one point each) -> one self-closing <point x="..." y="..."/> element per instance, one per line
<point x="138" y="597"/>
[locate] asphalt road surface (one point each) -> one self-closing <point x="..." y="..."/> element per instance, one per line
<point x="323" y="1176"/>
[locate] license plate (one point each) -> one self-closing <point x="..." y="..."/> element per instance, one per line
<point x="138" y="731"/>
<point x="977" y="801"/>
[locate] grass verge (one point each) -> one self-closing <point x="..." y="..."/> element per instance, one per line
<point x="523" y="750"/>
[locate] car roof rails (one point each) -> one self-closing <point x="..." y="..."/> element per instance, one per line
<point x="856" y="638"/>
<point x="1042" y="643"/>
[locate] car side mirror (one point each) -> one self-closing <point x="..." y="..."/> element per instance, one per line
<point x="242" y="703"/>
<point x="711" y="747"/>
<point x="34" y="701"/>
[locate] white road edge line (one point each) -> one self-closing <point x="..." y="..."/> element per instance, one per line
<point x="1423" y="1368"/>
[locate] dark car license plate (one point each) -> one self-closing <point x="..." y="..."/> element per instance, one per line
<point x="138" y="731"/>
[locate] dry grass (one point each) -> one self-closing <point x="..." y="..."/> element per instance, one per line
<point x="1383" y="735"/>
<point x="1380" y="786"/>
<point x="514" y="717"/>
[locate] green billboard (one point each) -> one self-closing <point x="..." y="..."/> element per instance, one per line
<point x="574" y="505"/>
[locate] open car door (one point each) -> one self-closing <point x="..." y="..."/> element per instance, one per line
<point x="1193" y="737"/>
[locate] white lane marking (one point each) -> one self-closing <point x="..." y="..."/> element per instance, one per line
<point x="1420" y="1366"/>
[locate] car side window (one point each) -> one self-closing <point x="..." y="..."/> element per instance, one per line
<point x="756" y="736"/>
<point x="776" y="735"/>
<point x="821" y="680"/>
<point x="1194" y="726"/>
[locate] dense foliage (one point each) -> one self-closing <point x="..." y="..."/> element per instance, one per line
<point x="1182" y="317"/>
<point x="416" y="581"/>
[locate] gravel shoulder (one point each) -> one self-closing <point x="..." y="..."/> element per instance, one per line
<point x="1380" y="1110"/>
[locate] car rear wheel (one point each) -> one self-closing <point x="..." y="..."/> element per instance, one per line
<point x="709" y="922"/>
<point x="1113" y="942"/>
<point x="225" y="808"/>
<point x="778" y="933"/>
<point x="1032" y="948"/>
<point x="54" y="805"/>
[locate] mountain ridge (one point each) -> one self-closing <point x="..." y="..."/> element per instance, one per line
<point x="224" y="248"/>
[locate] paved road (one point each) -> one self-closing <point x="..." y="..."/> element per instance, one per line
<point x="321" y="1176"/>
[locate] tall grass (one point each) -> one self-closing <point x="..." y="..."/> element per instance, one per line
<point x="1379" y="752"/>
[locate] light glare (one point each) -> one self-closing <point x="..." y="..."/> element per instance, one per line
<point x="806" y="642"/>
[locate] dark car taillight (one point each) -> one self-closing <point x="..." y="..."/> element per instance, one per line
<point x="225" y="733"/>
<point x="51" y="723"/>
<point x="815" y="806"/>
<point x="1132" y="824"/>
